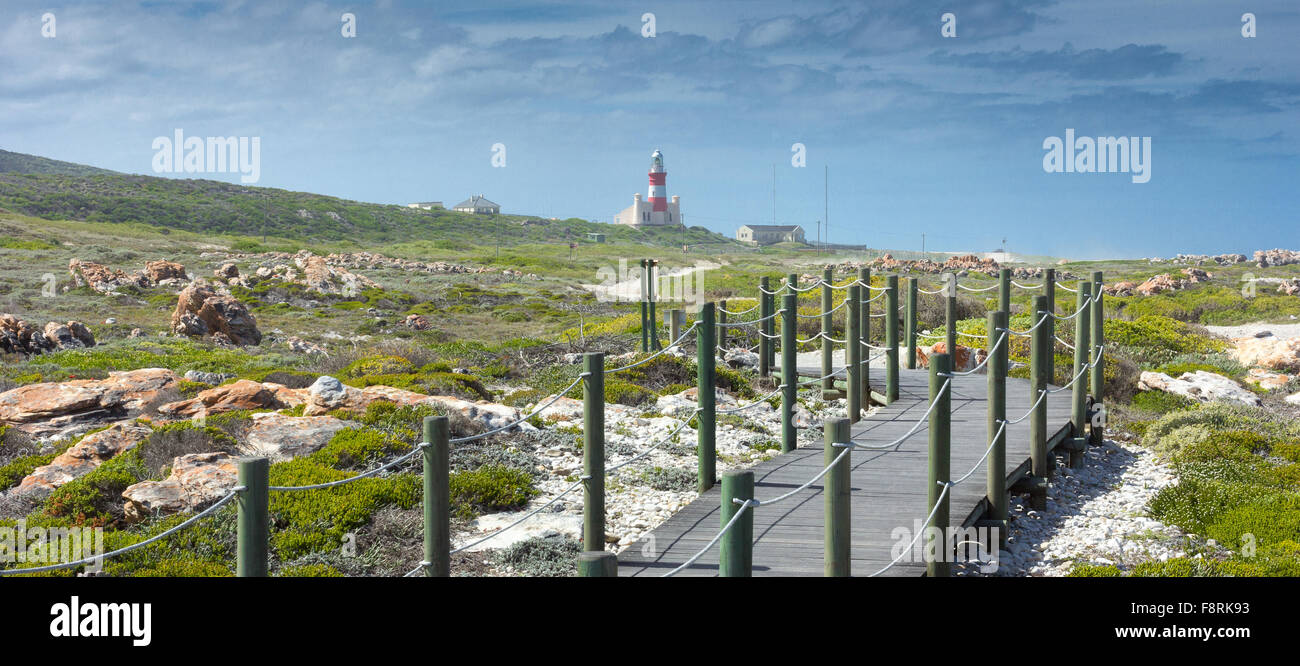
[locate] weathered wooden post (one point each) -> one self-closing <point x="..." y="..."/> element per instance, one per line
<point x="1098" y="312"/>
<point x="1049" y="290"/>
<point x="837" y="490"/>
<point x="950" y="315"/>
<point x="828" y="327"/>
<point x="937" y="564"/>
<point x="765" y="327"/>
<point x="891" y="339"/>
<point x="1004" y="290"/>
<point x="437" y="497"/>
<point x="789" y="370"/>
<point x="597" y="564"/>
<point x="722" y="325"/>
<point x="853" y="345"/>
<point x="736" y="555"/>
<point x="909" y="323"/>
<point x="253" y="527"/>
<point x="676" y="319"/>
<point x="645" y="308"/>
<point x="996" y="482"/>
<point x="652" y="318"/>
<point x="1079" y="413"/>
<point x="706" y="398"/>
<point x="864" y="277"/>
<point x="593" y="451"/>
<point x="1039" y="347"/>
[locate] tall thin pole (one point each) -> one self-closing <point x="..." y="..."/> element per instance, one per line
<point x="826" y="201"/>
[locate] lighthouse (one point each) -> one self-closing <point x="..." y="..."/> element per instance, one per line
<point x="656" y="209"/>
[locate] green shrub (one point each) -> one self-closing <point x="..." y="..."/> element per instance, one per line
<point x="313" y="521"/>
<point x="1156" y="333"/>
<point x="1094" y="571"/>
<point x="490" y="488"/>
<point x="378" y="365"/>
<point x="669" y="478"/>
<point x="541" y="556"/>
<point x="309" y="571"/>
<point x="1182" y="567"/>
<point x="1161" y="402"/>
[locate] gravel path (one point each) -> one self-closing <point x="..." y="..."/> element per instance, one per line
<point x="1096" y="514"/>
<point x="1246" y="330"/>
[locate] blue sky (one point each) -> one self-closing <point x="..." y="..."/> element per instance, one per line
<point x="921" y="133"/>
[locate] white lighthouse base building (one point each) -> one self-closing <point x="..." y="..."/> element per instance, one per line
<point x="641" y="213"/>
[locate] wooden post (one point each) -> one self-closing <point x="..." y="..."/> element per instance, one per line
<point x="1049" y="290"/>
<point x="652" y="318"/>
<point x="837" y="487"/>
<point x="828" y="327"/>
<point x="891" y="339"/>
<point x="736" y="555"/>
<point x="437" y="497"/>
<point x="722" y="325"/>
<point x="597" y="564"/>
<point x="937" y="563"/>
<point x="950" y="315"/>
<point x="675" y="320"/>
<point x="853" y="345"/>
<point x="909" y="324"/>
<point x="706" y="399"/>
<point x="1039" y="348"/>
<point x="645" y="309"/>
<point x="1079" y="413"/>
<point x="1098" y="312"/>
<point x="593" y="451"/>
<point x="253" y="527"/>
<point x="996" y="482"/>
<point x="765" y="344"/>
<point x="864" y="276"/>
<point x="789" y="371"/>
<point x="1004" y="290"/>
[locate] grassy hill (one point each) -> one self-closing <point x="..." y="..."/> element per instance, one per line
<point x="54" y="190"/>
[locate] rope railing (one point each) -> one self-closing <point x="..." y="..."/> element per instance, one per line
<point x="1027" y="286"/>
<point x="988" y="288"/>
<point x="741" y="312"/>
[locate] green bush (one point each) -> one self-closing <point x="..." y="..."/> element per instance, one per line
<point x="1161" y="402"/>
<point x="490" y="488"/>
<point x="1094" y="571"/>
<point x="378" y="365"/>
<point x="541" y="556"/>
<point x="1156" y="334"/>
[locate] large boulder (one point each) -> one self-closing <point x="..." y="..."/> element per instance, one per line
<point x="1273" y="353"/>
<point x="202" y="311"/>
<point x="243" y="394"/>
<point x="20" y="337"/>
<point x="1276" y="257"/>
<point x="57" y="408"/>
<point x="328" y="393"/>
<point x="196" y="480"/>
<point x="101" y="278"/>
<point x="1201" y="386"/>
<point x="281" y="437"/>
<point x="164" y="272"/>
<point x="92" y="451"/>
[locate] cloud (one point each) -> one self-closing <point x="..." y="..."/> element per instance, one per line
<point x="1130" y="61"/>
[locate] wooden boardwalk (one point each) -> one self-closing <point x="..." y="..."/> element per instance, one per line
<point x="889" y="486"/>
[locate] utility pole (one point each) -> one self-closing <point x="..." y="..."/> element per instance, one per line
<point x="774" y="194"/>
<point x="922" y="246"/>
<point x="826" y="205"/>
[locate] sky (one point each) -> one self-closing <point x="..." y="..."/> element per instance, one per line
<point x="553" y="109"/>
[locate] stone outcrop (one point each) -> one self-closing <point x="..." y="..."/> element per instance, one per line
<point x="202" y="311"/>
<point x="1290" y="287"/>
<point x="164" y="272"/>
<point x="1217" y="259"/>
<point x="106" y="280"/>
<point x="1272" y="353"/>
<point x="196" y="480"/>
<point x="1267" y="380"/>
<point x="1200" y="385"/>
<point x="328" y="393"/>
<point x="20" y="337"/>
<point x="1158" y="283"/>
<point x="1276" y="257"/>
<point x="281" y="437"/>
<point x="417" y="322"/>
<point x="684" y="404"/>
<point x="243" y="394"/>
<point x="92" y="451"/>
<point x="55" y="408"/>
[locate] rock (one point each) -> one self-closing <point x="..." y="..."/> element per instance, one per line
<point x="281" y="437"/>
<point x="740" y="358"/>
<point x="20" y="337"/>
<point x="1124" y="288"/>
<point x="328" y="393"/>
<point x="569" y="410"/>
<point x="540" y="525"/>
<point x="202" y="311"/>
<point x="212" y="378"/>
<point x="110" y="321"/>
<point x="1293" y="399"/>
<point x="101" y="278"/>
<point x="297" y="344"/>
<point x="417" y="322"/>
<point x="1276" y="257"/>
<point x="45" y="409"/>
<point x="1264" y="334"/>
<point x="196" y="480"/>
<point x="161" y="272"/>
<point x="684" y="403"/>
<point x="136" y="333"/>
<point x="1273" y="353"/>
<point x="962" y="360"/>
<point x="93" y="450"/>
<point x="1200" y="385"/>
<point x="243" y="394"/>
<point x="1290" y="287"/>
<point x="229" y="270"/>
<point x="61" y="336"/>
<point x="1267" y="380"/>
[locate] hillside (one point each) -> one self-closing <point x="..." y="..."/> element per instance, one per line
<point x="11" y="162"/>
<point x="54" y="190"/>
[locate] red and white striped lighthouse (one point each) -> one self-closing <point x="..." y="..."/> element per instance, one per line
<point x="658" y="194"/>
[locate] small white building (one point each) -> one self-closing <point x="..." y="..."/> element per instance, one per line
<point x="477" y="204"/>
<point x="770" y="234"/>
<point x="426" y="205"/>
